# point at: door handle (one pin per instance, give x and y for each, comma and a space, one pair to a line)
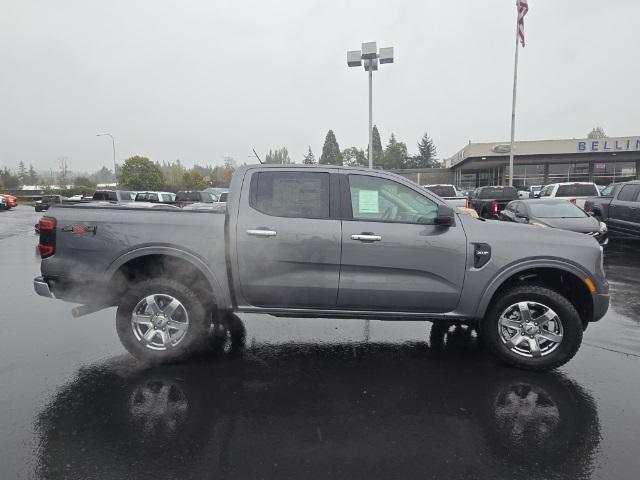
366, 237
262, 233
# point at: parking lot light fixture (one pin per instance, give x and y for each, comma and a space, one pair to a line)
369, 56
113, 144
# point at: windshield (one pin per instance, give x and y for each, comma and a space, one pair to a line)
443, 190
577, 190
509, 193
556, 210
608, 190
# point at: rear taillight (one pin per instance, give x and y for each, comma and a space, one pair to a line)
469, 203
494, 207
47, 245
47, 224
572, 200
587, 206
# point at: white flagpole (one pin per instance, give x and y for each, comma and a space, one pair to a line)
513, 102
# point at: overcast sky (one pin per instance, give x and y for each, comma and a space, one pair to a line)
200, 80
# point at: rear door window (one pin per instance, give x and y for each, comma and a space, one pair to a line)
629, 193
291, 194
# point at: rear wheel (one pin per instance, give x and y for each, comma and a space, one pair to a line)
162, 320
533, 327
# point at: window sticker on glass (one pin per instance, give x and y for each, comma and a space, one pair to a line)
368, 201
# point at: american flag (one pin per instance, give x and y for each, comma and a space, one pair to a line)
523, 8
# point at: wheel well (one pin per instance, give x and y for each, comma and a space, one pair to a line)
157, 265
563, 282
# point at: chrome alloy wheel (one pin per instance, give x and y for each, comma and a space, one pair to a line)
159, 321
530, 329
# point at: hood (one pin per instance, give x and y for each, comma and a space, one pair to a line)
580, 225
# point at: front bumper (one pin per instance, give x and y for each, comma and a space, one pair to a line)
41, 287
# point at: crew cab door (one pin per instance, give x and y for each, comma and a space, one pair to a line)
394, 257
623, 210
288, 239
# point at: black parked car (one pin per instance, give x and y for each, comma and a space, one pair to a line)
488, 201
47, 201
559, 213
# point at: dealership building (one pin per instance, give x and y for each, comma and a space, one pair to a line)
540, 162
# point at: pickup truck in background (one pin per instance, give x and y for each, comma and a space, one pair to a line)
490, 201
599, 206
327, 242
621, 211
574, 192
448, 193
114, 196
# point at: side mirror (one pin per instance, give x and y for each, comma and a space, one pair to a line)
536, 195
522, 217
445, 216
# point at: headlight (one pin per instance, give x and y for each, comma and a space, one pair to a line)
603, 227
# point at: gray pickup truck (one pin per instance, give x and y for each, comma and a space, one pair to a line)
323, 241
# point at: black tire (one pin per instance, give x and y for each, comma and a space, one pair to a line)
568, 318
195, 336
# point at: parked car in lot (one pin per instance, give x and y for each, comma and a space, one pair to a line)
448, 193
530, 192
155, 197
48, 200
323, 242
9, 201
622, 211
599, 206
555, 214
489, 201
114, 196
188, 197
3, 203
575, 192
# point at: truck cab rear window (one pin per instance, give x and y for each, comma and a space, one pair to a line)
291, 194
577, 190
498, 193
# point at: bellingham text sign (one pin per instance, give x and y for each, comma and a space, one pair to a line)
609, 145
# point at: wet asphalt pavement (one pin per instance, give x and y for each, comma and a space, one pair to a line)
308, 398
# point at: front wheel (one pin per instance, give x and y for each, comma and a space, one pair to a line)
533, 327
162, 320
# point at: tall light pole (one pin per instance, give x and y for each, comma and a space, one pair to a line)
370, 55
113, 144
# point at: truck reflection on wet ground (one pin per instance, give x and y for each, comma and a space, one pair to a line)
303, 410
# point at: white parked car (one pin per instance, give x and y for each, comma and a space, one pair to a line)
449, 193
155, 197
575, 192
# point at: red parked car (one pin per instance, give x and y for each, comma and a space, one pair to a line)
9, 201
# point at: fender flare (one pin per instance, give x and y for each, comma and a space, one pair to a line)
222, 300
511, 270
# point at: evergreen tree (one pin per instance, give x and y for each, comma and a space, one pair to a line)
331, 150
310, 158
22, 172
377, 146
280, 155
426, 154
597, 132
32, 176
395, 155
